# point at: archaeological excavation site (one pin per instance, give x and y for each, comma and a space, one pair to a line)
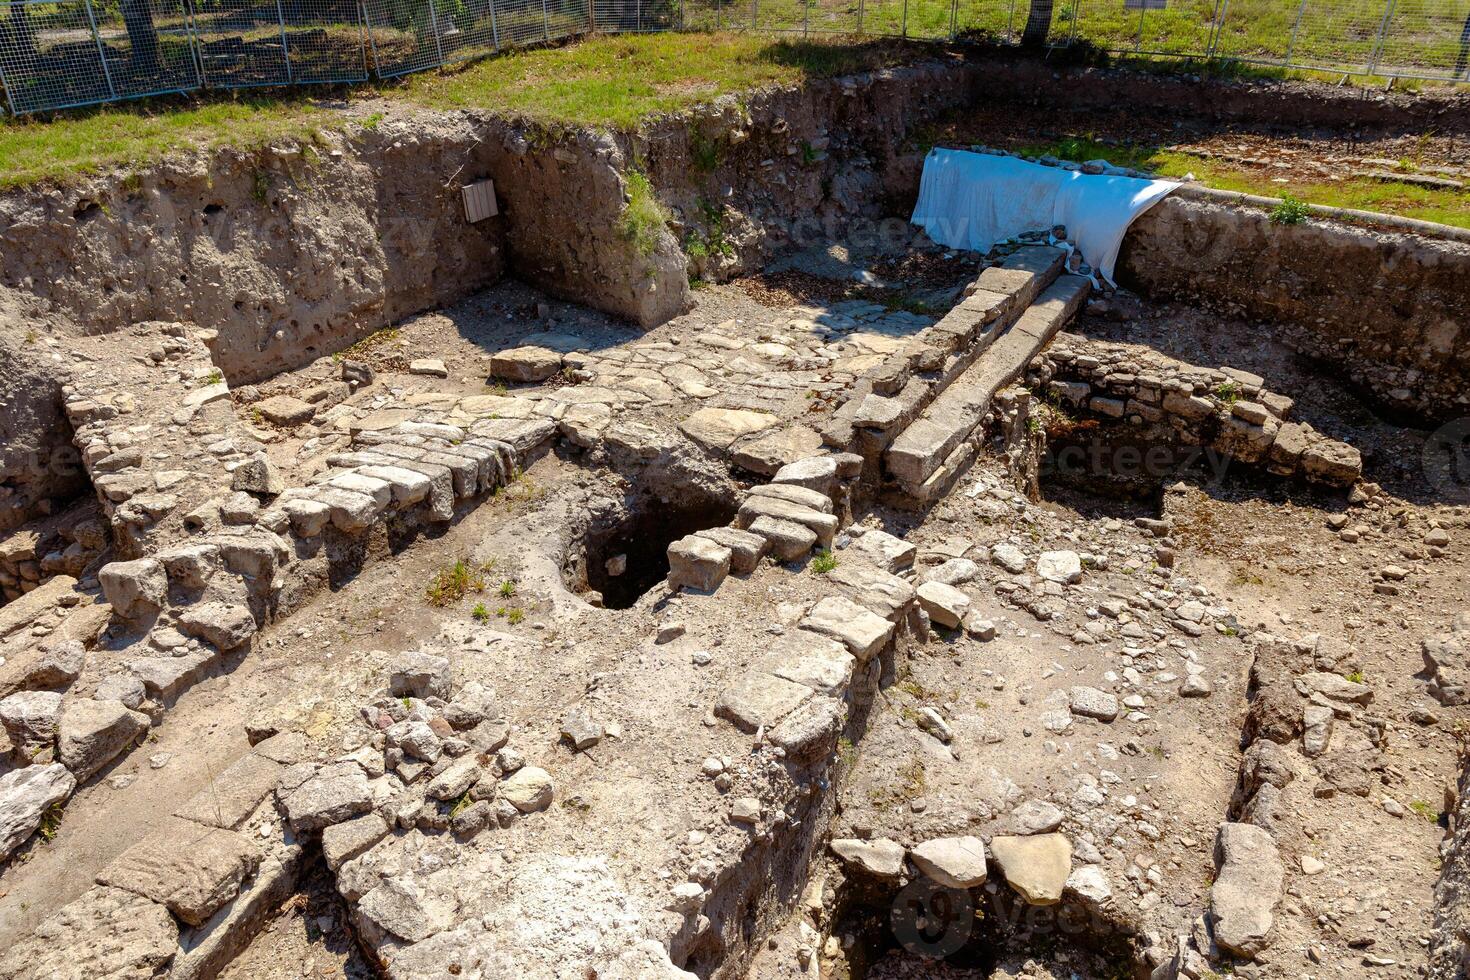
861, 521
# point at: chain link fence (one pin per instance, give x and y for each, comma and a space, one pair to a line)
57, 54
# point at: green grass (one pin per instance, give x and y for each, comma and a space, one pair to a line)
1446, 206
610, 82
823, 562
644, 217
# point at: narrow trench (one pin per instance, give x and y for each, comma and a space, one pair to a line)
626, 555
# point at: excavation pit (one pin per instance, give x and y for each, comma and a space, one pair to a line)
621, 563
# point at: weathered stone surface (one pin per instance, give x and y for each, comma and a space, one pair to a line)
864, 633
431, 367
809, 731
718, 428
134, 588
107, 933
768, 454
167, 677
888, 552
25, 796
191, 869
455, 780
746, 548
697, 562
881, 858
330, 794
817, 473
91, 733
1036, 867
756, 506
30, 717
421, 675
788, 540
760, 700
1060, 566
227, 626
1089, 702
233, 794
1247, 888
525, 364
945, 604
342, 842
529, 789
954, 862
284, 410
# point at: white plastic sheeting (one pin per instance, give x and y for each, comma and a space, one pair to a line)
974, 200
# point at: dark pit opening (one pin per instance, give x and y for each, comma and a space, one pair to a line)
642, 538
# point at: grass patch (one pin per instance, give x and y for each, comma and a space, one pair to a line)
610, 82
1290, 211
644, 217
451, 584
823, 562
366, 345
1443, 205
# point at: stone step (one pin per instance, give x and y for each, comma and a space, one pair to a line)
927, 448
910, 379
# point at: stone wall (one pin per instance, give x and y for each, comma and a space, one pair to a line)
1386, 308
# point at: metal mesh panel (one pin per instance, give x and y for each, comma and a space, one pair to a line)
402, 36
241, 43
50, 57
325, 41
148, 46
1427, 37
833, 16
998, 20
1331, 34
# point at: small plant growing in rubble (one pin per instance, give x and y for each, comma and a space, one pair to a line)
643, 215
454, 583
481, 612
507, 589
1425, 810
515, 616
1291, 211
823, 562
1228, 392
1357, 677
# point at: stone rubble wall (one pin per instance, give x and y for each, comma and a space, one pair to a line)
1449, 943
1227, 409
63, 545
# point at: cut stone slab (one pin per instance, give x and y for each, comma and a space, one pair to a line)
421, 675
890, 553
205, 951
1247, 888
227, 626
881, 858
284, 410
810, 730
1036, 867
234, 794
167, 677
769, 453
92, 733
191, 869
863, 632
882, 593
788, 540
697, 562
30, 717
134, 588
718, 428
760, 700
746, 548
525, 364
330, 794
824, 526
25, 796
106, 933
342, 842
1089, 702
954, 862
813, 661
817, 473
431, 367
945, 604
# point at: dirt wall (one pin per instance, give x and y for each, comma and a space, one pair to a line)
1389, 309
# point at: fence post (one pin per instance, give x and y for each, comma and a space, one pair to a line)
954, 18
285, 46
904, 29
860, 16
755, 14
434, 26
806, 18
1382, 35
5, 88
367, 21
1011, 23
1217, 24
195, 55
1296, 26
1142, 11
101, 51
545, 20
495, 28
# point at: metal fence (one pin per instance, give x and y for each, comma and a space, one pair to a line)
58, 54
